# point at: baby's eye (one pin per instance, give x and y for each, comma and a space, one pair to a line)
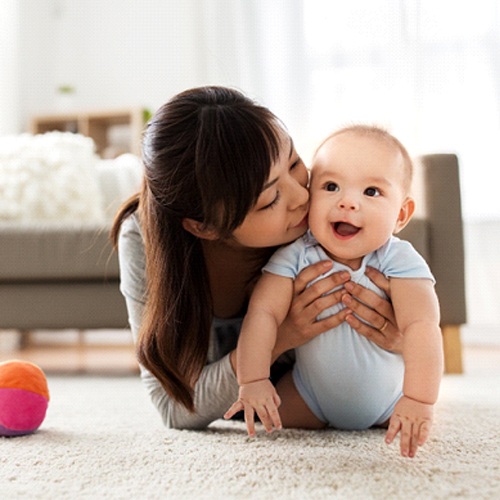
372, 191
331, 186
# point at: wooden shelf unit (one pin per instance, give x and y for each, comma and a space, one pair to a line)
95, 124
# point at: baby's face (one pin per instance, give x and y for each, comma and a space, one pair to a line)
358, 196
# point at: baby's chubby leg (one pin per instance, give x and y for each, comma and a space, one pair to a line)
293, 410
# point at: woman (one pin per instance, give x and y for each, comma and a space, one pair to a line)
223, 188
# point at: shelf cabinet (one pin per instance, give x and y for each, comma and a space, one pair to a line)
113, 131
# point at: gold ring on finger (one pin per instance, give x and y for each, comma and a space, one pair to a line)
384, 326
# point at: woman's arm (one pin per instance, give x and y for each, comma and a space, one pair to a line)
217, 386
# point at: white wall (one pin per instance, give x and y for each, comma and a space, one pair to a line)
114, 52
119, 53
9, 64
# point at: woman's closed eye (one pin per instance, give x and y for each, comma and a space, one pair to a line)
296, 163
273, 203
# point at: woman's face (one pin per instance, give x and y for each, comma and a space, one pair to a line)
280, 214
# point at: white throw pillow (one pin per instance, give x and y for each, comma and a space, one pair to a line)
119, 179
49, 177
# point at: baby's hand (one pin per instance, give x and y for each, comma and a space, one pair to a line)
261, 397
413, 420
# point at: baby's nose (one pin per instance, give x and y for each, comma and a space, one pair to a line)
348, 204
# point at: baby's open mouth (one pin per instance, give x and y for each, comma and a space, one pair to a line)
345, 229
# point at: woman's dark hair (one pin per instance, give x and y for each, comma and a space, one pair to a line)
207, 154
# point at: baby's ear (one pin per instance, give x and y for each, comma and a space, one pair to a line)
405, 214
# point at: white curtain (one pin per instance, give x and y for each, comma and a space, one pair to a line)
258, 46
429, 70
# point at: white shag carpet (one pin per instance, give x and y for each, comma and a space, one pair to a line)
103, 439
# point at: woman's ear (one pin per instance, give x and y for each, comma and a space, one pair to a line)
199, 230
405, 214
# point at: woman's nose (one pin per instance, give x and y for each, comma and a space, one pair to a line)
300, 196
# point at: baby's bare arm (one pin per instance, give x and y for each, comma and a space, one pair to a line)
268, 308
417, 313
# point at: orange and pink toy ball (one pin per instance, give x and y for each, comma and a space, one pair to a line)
24, 397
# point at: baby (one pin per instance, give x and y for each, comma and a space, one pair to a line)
360, 182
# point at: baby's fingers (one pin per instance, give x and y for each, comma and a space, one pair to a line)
392, 431
414, 440
275, 418
250, 420
269, 417
235, 408
405, 439
425, 430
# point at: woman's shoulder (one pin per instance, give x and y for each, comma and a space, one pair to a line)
131, 225
130, 238
132, 257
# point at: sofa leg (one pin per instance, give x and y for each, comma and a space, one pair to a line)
25, 339
452, 347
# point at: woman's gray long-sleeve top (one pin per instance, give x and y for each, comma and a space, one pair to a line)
217, 387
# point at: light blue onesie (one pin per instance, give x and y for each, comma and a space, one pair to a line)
345, 379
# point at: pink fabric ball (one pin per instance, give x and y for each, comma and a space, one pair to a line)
24, 397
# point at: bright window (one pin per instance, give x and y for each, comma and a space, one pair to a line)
429, 70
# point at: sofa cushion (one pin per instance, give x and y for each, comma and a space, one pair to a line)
53, 252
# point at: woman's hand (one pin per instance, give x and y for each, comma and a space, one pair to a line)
375, 310
300, 325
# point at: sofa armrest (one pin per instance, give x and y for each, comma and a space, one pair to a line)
446, 242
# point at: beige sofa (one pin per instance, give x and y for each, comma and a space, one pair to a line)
67, 276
